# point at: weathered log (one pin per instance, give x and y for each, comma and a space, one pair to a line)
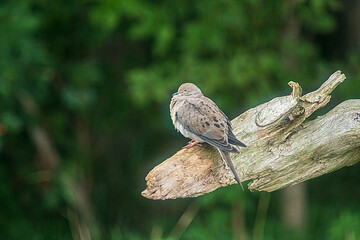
282, 149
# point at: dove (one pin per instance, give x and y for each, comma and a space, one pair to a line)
199, 118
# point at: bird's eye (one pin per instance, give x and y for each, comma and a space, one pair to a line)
185, 90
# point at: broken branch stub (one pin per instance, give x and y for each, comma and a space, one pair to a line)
282, 150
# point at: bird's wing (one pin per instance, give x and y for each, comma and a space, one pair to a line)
203, 118
231, 137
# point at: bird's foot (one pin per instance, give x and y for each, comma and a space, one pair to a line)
192, 143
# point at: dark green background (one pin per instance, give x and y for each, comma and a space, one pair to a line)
84, 94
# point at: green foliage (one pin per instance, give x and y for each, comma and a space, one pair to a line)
346, 226
84, 94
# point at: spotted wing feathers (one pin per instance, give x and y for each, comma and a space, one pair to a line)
203, 118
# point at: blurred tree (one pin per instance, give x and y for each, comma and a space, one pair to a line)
293, 198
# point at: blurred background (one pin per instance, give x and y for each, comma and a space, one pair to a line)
85, 88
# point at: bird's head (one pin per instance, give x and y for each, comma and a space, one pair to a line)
188, 89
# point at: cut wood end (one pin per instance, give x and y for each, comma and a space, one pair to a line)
325, 89
334, 80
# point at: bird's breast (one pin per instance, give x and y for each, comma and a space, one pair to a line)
177, 105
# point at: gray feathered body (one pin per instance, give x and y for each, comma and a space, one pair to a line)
198, 117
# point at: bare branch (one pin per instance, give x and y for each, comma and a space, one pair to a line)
282, 149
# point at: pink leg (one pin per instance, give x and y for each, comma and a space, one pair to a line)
192, 143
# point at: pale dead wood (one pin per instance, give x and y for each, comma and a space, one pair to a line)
282, 149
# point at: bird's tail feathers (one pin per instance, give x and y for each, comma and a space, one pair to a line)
227, 159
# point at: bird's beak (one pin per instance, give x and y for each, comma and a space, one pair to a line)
174, 94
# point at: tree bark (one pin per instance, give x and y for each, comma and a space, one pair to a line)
282, 149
